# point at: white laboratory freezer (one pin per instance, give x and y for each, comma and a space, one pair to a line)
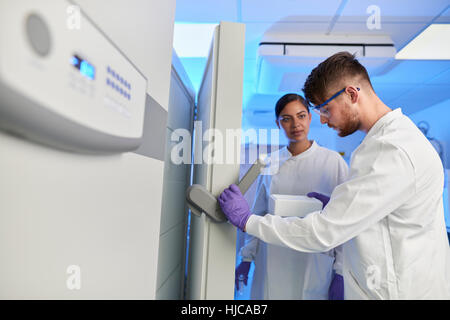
79, 212
212, 247
71, 89
75, 226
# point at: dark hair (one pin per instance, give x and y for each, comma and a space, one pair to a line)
284, 100
332, 70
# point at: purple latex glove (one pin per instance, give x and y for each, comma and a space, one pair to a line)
336, 290
323, 198
243, 268
234, 206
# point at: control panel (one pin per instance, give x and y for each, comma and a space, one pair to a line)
67, 84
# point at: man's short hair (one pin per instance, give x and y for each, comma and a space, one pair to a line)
333, 70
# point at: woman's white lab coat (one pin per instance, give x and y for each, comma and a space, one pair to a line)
389, 215
280, 272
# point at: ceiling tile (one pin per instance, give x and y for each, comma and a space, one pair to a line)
412, 72
400, 33
442, 78
206, 11
394, 11
296, 10
389, 92
288, 31
421, 97
444, 17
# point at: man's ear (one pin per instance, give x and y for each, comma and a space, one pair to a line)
354, 93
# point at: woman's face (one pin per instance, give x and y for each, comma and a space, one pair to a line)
294, 119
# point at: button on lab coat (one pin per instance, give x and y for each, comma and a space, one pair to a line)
389, 215
280, 272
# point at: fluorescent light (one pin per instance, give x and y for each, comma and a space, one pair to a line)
192, 40
431, 44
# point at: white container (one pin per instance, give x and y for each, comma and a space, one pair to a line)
293, 206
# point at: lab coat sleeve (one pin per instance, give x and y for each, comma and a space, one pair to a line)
381, 179
342, 176
250, 249
338, 259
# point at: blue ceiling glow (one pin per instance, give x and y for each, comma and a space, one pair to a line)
414, 85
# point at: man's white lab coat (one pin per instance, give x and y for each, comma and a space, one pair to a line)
389, 214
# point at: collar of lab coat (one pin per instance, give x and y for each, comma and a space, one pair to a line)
388, 117
279, 157
287, 155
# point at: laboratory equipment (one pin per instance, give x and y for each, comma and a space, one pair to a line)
67, 85
200, 200
293, 205
212, 248
63, 181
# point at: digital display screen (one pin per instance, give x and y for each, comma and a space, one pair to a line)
85, 68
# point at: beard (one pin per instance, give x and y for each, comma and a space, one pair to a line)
351, 123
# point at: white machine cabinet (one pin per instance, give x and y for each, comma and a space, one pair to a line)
79, 216
212, 248
64, 83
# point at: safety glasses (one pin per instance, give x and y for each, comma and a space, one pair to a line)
321, 109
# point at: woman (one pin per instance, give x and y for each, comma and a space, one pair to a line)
303, 167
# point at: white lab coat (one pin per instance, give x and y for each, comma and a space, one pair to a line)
389, 215
280, 272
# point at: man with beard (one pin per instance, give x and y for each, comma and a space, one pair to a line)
388, 215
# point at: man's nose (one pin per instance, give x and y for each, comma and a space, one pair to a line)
323, 120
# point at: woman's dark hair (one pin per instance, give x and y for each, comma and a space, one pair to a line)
284, 100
